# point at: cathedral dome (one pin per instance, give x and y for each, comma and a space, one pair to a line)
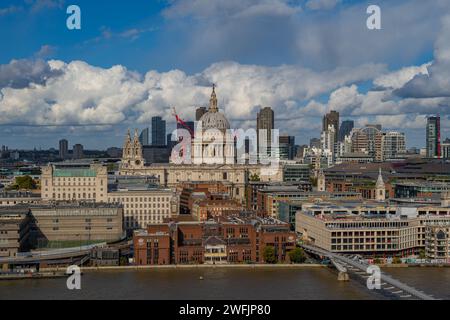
213, 119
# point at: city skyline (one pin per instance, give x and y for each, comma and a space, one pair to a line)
364, 77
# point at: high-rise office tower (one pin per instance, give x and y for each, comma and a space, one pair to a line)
434, 137
345, 129
63, 149
158, 131
394, 143
200, 112
266, 121
331, 119
143, 138
78, 152
287, 147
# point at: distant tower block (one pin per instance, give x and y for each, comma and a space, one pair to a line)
380, 188
321, 183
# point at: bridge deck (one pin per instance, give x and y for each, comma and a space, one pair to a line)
404, 288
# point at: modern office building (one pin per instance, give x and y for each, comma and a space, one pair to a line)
345, 129
368, 140
286, 147
434, 137
158, 131
144, 137
156, 154
332, 119
265, 120
63, 149
296, 172
376, 230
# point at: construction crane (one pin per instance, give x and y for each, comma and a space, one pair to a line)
181, 122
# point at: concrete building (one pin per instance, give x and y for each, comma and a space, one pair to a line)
14, 231
12, 198
375, 230
269, 197
394, 145
143, 205
265, 120
72, 222
296, 172
63, 149
78, 152
368, 140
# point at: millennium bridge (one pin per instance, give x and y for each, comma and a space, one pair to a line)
347, 265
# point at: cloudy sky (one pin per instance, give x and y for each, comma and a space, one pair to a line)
136, 59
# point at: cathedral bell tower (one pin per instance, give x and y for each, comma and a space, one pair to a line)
132, 156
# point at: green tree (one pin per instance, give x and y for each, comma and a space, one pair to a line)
269, 255
422, 254
255, 178
396, 260
24, 183
297, 255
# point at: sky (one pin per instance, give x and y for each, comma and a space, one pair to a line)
136, 59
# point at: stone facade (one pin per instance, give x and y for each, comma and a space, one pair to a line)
74, 182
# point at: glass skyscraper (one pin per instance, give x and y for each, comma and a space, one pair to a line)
158, 131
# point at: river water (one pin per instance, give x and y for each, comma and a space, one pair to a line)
221, 283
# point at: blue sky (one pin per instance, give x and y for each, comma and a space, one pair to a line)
302, 58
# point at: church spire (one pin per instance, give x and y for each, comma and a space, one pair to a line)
380, 182
213, 101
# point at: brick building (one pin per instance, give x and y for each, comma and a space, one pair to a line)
234, 238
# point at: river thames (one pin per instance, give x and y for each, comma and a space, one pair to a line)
222, 284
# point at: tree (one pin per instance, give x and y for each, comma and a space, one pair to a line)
297, 255
255, 178
396, 260
422, 254
24, 183
269, 255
